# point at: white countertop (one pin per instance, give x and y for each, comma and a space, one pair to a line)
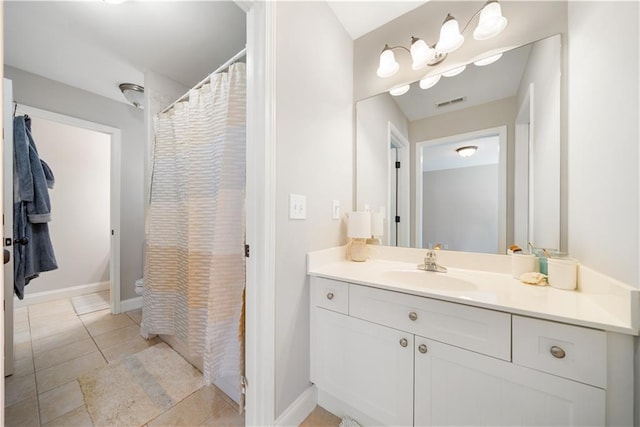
599, 307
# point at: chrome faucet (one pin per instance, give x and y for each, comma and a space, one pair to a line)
431, 263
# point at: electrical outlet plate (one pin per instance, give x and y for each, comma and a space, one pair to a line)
297, 206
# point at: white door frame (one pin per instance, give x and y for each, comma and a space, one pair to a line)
114, 261
260, 213
501, 131
397, 140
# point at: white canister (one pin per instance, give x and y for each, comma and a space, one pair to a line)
523, 263
563, 273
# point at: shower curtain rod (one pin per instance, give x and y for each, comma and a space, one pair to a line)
223, 67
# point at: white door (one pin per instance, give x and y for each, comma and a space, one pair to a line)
7, 234
459, 387
367, 366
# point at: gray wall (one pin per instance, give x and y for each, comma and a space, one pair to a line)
314, 149
39, 92
460, 208
489, 115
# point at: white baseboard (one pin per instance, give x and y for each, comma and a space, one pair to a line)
341, 410
300, 409
130, 304
72, 291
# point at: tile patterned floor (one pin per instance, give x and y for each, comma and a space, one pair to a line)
320, 417
53, 346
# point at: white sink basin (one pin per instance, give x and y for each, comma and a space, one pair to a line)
428, 279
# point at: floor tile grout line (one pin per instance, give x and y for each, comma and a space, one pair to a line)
33, 360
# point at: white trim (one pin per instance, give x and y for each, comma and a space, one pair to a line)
130, 304
401, 143
115, 143
502, 180
260, 214
300, 409
56, 294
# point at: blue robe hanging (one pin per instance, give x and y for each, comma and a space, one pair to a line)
32, 177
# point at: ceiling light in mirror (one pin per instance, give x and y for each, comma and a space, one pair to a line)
491, 22
454, 71
428, 82
421, 53
388, 65
450, 37
467, 151
488, 60
400, 90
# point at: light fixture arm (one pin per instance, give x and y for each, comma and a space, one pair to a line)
474, 16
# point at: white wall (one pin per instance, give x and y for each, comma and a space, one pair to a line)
39, 92
543, 71
80, 204
461, 208
603, 177
372, 147
489, 115
604, 188
314, 149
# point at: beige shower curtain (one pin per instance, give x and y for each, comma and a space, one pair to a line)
194, 272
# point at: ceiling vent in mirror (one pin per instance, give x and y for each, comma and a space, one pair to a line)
451, 102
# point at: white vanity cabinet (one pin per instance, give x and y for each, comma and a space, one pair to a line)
392, 358
460, 387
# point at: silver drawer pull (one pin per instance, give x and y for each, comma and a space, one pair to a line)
404, 342
422, 348
330, 295
557, 352
413, 316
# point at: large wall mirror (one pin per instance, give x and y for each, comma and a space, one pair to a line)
409, 163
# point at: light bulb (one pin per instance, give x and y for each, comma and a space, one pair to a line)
400, 90
450, 37
467, 151
488, 60
491, 22
454, 71
388, 65
428, 82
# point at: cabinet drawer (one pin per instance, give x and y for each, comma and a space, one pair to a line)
330, 294
568, 351
480, 330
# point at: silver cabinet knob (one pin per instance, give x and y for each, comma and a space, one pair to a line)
413, 316
422, 348
404, 342
330, 295
557, 352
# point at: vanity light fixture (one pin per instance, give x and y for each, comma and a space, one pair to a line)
400, 90
467, 151
134, 94
488, 60
454, 71
490, 24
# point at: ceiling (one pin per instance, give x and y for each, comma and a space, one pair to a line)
95, 46
360, 17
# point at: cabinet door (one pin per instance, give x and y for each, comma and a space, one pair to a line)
460, 387
367, 366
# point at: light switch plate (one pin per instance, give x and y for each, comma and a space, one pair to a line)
335, 209
297, 206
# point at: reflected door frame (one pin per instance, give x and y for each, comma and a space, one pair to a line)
398, 200
501, 131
